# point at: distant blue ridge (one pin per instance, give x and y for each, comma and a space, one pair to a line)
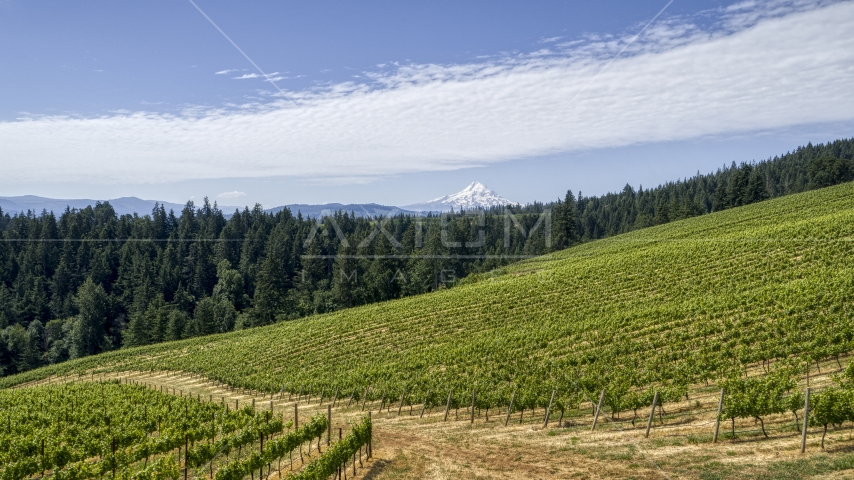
131, 205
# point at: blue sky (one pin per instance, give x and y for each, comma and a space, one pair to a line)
399, 102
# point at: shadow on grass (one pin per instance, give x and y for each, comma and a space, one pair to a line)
377, 467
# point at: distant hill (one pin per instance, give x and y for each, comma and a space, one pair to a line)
659, 308
122, 206
359, 209
131, 205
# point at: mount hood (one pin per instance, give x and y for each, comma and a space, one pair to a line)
476, 195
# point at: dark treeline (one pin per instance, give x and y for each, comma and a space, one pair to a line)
89, 281
807, 168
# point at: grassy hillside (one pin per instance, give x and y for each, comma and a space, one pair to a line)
661, 307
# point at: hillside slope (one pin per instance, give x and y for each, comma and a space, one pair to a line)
664, 306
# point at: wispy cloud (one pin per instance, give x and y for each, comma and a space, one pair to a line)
231, 195
224, 72
749, 67
268, 77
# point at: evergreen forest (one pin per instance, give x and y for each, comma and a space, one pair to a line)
87, 281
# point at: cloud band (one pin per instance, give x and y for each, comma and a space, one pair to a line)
752, 71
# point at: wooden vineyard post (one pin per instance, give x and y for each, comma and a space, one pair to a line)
718, 418
296, 416
424, 405
365, 398
510, 408
808, 373
328, 424
473, 394
271, 406
370, 440
186, 454
549, 410
652, 415
598, 409
399, 407
335, 397
236, 404
253, 403
448, 405
806, 421
340, 435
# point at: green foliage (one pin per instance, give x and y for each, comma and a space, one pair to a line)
826, 171
654, 310
164, 468
258, 268
237, 470
831, 406
133, 281
338, 454
63, 427
87, 334
758, 397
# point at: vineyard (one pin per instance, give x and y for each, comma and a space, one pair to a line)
133, 431
708, 301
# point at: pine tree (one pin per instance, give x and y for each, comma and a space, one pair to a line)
138, 330
87, 335
756, 191
20, 348
271, 290
828, 170
566, 219
737, 186
204, 319
345, 277
7, 315
225, 316
176, 324
229, 286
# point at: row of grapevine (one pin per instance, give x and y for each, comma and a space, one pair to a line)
656, 310
673, 308
339, 453
87, 430
275, 449
834, 405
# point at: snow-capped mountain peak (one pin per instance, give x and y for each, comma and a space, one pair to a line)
476, 195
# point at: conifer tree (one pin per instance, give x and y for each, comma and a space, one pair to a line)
827, 170
88, 333
756, 191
